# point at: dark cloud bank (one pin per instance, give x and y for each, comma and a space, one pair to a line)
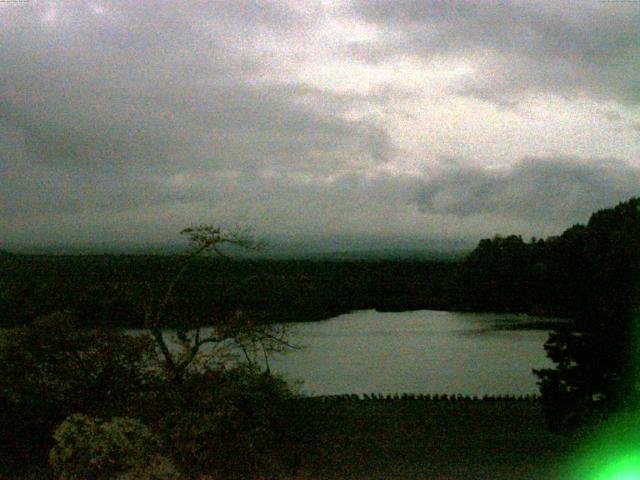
124, 125
554, 191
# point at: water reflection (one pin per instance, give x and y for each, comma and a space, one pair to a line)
421, 351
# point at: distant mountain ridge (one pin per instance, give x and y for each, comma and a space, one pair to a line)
392, 254
454, 250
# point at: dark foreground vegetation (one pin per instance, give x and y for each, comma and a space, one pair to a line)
80, 402
409, 439
96, 404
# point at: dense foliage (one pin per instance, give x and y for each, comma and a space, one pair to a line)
590, 273
585, 269
105, 289
58, 380
231, 423
597, 360
52, 368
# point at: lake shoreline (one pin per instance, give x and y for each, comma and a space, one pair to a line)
423, 351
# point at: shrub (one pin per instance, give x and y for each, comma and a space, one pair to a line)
88, 446
53, 368
73, 369
229, 423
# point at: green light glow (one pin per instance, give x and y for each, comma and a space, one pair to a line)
625, 468
611, 454
608, 466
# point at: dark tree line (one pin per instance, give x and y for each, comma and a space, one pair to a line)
597, 361
590, 273
102, 289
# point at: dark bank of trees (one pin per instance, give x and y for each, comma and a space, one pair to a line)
102, 289
566, 275
591, 274
597, 361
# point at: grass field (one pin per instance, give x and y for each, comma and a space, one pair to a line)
431, 440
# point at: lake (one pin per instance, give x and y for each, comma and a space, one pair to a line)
421, 351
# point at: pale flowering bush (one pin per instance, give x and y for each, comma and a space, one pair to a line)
87, 446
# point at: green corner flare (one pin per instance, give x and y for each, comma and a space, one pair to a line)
613, 451
611, 454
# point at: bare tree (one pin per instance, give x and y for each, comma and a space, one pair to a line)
240, 331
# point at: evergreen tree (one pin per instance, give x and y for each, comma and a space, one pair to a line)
597, 358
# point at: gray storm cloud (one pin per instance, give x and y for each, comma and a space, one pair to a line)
552, 190
570, 48
99, 115
126, 121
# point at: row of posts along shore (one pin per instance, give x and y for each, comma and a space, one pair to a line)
444, 397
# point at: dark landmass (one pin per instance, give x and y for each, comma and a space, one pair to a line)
102, 289
277, 249
562, 276
588, 274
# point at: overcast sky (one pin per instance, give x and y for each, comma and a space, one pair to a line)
127, 121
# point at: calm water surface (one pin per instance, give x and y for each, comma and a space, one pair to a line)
416, 352
421, 351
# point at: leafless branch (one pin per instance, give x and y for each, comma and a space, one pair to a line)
252, 338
